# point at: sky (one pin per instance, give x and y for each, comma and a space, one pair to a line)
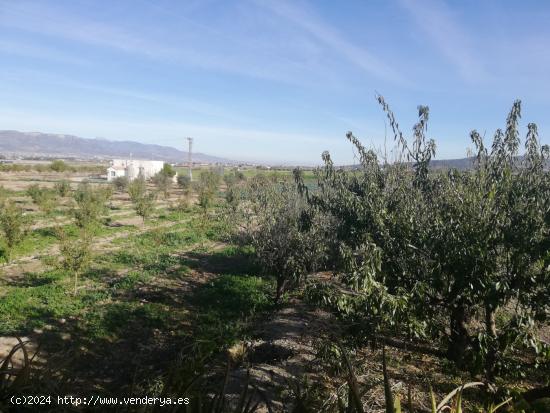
273, 81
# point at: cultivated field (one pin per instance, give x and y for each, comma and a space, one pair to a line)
180, 297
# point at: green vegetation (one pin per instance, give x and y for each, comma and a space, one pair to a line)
120, 183
62, 188
55, 166
207, 187
145, 204
59, 166
14, 227
44, 198
136, 189
90, 204
76, 254
164, 179
455, 258
348, 286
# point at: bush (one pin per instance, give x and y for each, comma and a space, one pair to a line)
423, 251
14, 226
136, 189
163, 183
207, 187
145, 205
76, 254
184, 182
288, 241
90, 204
168, 170
44, 198
59, 166
120, 183
63, 188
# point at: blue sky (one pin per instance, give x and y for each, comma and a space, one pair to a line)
272, 80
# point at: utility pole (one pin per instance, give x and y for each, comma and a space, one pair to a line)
189, 158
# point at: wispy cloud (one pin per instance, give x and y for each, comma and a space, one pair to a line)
324, 33
25, 49
437, 21
190, 44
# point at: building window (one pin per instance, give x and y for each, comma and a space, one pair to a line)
113, 173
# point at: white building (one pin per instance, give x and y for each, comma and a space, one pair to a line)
133, 168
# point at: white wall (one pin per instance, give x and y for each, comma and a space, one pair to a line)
132, 168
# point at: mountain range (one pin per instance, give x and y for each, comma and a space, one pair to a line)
37, 144
48, 145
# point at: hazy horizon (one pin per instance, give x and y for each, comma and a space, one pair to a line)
271, 81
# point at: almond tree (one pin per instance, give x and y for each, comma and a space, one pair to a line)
419, 247
76, 254
14, 226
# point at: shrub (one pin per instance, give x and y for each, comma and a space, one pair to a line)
184, 182
76, 254
136, 189
163, 183
145, 205
120, 183
168, 170
63, 188
288, 241
421, 249
44, 198
59, 166
14, 226
206, 188
34, 192
90, 204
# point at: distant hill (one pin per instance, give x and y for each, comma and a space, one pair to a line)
37, 144
460, 164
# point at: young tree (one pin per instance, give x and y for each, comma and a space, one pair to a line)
145, 205
288, 242
184, 182
206, 188
34, 192
62, 188
14, 226
90, 204
164, 179
163, 183
44, 198
76, 254
136, 189
168, 170
120, 183
59, 166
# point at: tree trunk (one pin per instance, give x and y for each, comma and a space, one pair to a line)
459, 338
75, 282
281, 286
491, 330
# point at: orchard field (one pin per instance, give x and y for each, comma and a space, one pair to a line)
381, 288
